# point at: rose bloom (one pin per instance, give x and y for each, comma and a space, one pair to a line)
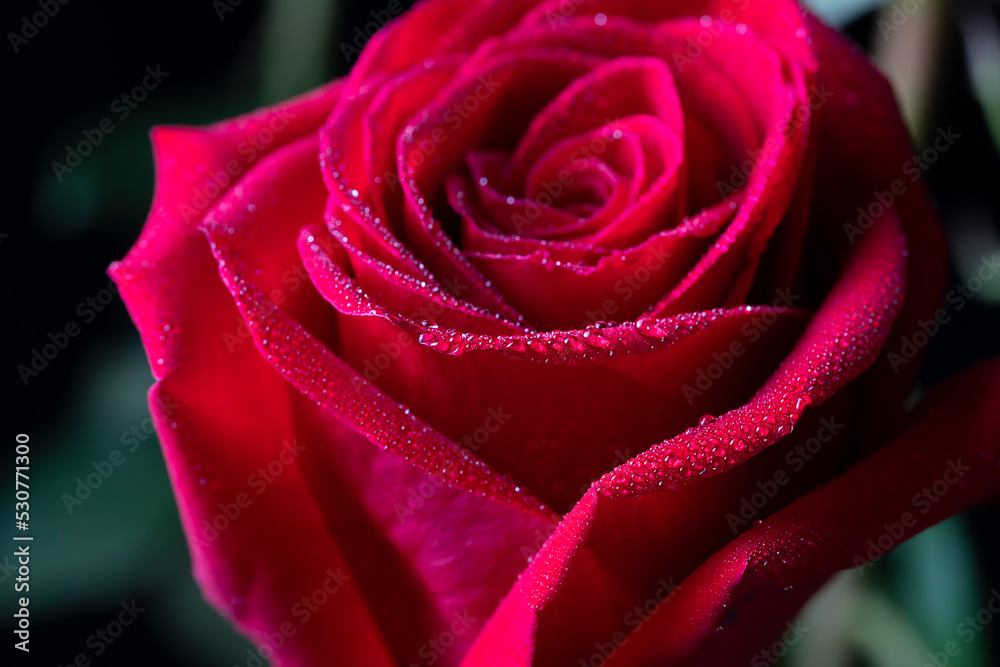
556, 333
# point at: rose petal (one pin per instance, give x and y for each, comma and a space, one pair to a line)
868, 292
863, 114
620, 286
359, 172
558, 419
168, 281
254, 226
944, 463
497, 91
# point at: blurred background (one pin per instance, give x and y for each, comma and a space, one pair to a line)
217, 58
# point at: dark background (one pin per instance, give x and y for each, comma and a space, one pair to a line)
124, 541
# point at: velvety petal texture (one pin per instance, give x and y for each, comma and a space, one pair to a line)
469, 358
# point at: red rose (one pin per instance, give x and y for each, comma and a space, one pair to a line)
548, 357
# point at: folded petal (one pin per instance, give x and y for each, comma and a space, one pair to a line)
205, 391
622, 514
946, 461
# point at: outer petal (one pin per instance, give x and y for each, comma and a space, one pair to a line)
204, 392
945, 462
194, 168
849, 173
